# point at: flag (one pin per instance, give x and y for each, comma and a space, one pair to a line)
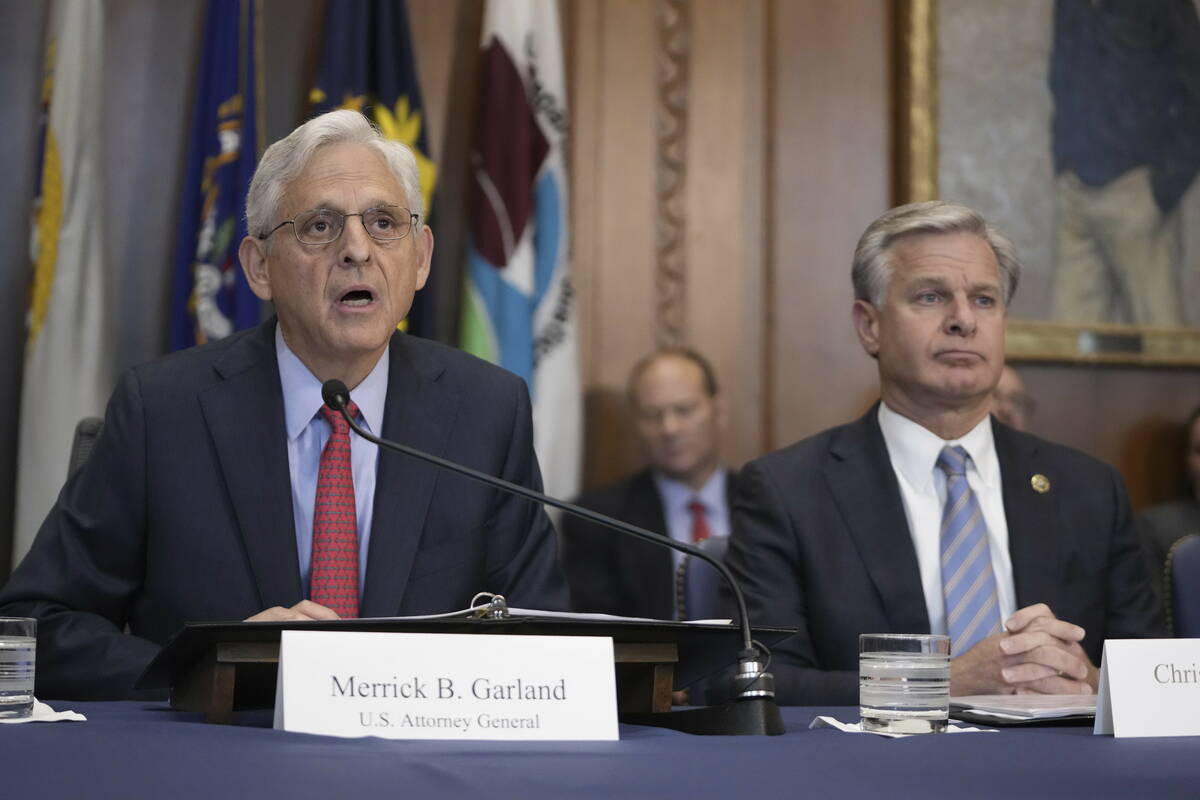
67, 358
367, 65
519, 310
210, 297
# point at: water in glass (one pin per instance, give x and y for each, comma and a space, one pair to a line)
904, 692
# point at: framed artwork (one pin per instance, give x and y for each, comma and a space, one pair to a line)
1074, 126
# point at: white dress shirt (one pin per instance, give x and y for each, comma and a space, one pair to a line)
913, 451
307, 433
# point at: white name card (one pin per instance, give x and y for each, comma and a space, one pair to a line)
446, 686
1149, 687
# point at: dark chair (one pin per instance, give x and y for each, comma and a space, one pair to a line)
81, 446
1183, 605
698, 585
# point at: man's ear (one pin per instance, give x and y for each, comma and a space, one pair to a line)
866, 325
252, 255
424, 254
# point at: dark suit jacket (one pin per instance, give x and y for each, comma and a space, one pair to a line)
184, 510
821, 543
611, 573
1160, 527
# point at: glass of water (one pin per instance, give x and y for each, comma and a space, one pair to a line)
18, 645
904, 682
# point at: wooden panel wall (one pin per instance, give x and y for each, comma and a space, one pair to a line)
831, 178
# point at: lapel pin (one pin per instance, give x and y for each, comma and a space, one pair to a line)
1040, 483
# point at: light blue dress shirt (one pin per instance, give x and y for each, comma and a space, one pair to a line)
677, 496
307, 432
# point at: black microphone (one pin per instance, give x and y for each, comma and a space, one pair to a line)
752, 680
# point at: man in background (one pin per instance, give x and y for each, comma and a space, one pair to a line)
679, 415
925, 517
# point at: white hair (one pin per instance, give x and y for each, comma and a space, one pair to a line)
872, 258
288, 157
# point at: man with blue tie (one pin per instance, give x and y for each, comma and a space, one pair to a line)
927, 515
223, 488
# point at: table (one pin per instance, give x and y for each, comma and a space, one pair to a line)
131, 750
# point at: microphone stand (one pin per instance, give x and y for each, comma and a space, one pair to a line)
752, 710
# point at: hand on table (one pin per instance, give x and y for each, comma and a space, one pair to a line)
305, 609
1036, 653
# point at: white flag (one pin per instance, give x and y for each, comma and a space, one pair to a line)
67, 373
520, 309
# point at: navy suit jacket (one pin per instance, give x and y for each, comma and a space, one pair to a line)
612, 573
821, 543
183, 511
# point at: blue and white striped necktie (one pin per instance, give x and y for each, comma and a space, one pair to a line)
972, 605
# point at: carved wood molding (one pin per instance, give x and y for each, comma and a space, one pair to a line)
671, 106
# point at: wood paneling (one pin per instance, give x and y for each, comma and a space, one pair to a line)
830, 179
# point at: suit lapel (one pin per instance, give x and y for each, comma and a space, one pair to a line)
860, 477
244, 414
420, 412
1032, 518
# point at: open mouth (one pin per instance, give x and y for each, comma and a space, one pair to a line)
357, 298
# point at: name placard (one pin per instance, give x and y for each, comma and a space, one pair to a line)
1149, 687
446, 686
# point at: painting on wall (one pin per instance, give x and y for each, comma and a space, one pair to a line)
1074, 126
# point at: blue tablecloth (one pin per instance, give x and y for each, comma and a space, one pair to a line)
134, 750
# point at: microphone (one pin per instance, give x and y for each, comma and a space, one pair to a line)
752, 680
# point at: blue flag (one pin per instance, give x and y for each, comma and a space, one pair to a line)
210, 298
367, 65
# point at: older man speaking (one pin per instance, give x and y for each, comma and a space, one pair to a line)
926, 515
223, 488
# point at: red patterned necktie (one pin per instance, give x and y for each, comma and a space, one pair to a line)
334, 577
700, 530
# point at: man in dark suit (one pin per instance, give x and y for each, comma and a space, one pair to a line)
928, 516
679, 415
221, 488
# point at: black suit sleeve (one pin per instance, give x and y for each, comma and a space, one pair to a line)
765, 557
522, 562
586, 550
86, 564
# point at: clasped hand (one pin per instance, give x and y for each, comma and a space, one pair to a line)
305, 609
1035, 653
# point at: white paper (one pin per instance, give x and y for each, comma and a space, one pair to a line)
856, 727
446, 686
44, 713
1149, 687
1027, 706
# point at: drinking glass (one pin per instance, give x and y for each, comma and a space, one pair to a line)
904, 682
18, 647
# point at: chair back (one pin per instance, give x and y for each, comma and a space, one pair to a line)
81, 445
698, 584
1183, 605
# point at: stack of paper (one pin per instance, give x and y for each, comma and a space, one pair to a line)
1023, 707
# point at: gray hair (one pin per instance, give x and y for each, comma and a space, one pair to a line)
288, 157
872, 258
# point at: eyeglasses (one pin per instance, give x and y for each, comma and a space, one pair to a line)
385, 223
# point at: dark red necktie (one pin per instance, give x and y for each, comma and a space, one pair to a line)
333, 580
700, 530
